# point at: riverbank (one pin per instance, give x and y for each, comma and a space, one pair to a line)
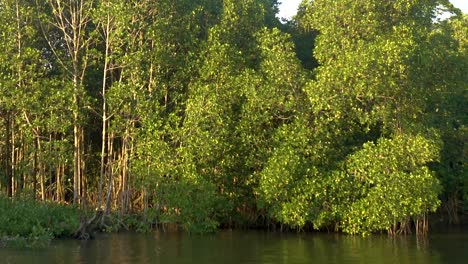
29, 223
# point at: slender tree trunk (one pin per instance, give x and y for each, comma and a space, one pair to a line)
422, 226
8, 148
104, 110
41, 170
58, 190
125, 173
22, 159
19, 85
50, 171
13, 159
42, 182
76, 148
36, 166
83, 179
71, 18
110, 173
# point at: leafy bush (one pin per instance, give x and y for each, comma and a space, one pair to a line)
36, 221
395, 181
192, 205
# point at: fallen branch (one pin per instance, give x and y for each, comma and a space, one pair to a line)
88, 227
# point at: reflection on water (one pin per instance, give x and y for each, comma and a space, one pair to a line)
247, 247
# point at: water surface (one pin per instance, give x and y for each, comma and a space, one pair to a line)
246, 247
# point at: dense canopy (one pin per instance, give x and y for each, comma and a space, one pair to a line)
213, 113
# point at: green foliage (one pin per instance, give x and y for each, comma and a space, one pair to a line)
394, 181
193, 205
372, 85
37, 222
448, 50
217, 115
289, 180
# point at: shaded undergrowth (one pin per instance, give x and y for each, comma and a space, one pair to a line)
28, 223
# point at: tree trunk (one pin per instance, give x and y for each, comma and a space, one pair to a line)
41, 170
36, 167
13, 159
58, 191
76, 154
124, 174
107, 31
8, 148
110, 174
72, 18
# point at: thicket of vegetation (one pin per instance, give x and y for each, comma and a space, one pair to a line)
212, 113
26, 223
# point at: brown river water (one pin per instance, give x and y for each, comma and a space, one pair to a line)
247, 247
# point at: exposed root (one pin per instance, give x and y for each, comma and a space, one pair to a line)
88, 227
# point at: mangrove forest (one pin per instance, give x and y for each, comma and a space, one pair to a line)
206, 114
